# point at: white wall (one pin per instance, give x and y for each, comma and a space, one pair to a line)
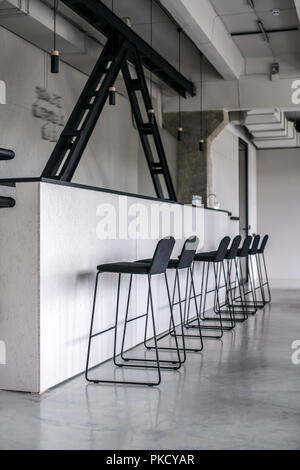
224, 169
111, 158
278, 213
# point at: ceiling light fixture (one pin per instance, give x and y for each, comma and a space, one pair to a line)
263, 31
276, 12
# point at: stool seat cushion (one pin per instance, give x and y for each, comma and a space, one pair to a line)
125, 268
208, 256
173, 263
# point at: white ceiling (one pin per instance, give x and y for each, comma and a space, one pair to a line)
238, 16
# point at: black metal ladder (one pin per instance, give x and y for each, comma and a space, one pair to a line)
74, 138
158, 167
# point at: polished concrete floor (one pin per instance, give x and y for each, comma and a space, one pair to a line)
241, 393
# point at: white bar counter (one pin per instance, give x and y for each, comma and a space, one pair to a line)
50, 246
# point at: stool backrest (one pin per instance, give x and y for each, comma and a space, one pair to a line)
246, 247
255, 244
222, 250
188, 252
233, 251
263, 244
162, 255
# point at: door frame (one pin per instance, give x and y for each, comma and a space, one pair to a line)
244, 144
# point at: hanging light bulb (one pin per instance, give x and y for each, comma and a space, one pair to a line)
112, 96
151, 115
202, 140
201, 145
55, 52
180, 128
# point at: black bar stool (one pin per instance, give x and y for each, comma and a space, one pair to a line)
247, 288
252, 259
158, 266
184, 262
216, 259
264, 278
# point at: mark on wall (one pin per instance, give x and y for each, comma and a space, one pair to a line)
2, 353
2, 92
49, 107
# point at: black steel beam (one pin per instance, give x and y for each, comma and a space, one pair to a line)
105, 21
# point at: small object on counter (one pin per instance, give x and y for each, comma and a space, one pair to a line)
216, 205
197, 201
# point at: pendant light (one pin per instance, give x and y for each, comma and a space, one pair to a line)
112, 89
151, 111
55, 52
201, 140
180, 128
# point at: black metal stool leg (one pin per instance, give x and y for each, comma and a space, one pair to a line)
183, 334
175, 364
267, 279
91, 327
172, 326
203, 307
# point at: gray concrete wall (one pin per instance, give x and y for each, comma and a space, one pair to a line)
191, 163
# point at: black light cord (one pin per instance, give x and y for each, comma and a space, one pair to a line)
151, 42
55, 52
179, 57
55, 8
201, 140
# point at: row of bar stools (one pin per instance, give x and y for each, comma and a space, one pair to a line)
231, 274
232, 268
236, 307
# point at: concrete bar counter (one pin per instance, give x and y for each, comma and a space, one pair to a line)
50, 245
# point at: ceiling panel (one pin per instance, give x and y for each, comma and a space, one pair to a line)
234, 7
252, 46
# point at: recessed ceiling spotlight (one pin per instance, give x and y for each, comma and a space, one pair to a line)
276, 12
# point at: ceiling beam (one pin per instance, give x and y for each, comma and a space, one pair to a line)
205, 28
297, 5
105, 21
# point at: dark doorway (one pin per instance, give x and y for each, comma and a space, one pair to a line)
243, 188
243, 197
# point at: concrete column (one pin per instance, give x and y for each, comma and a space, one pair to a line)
193, 165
